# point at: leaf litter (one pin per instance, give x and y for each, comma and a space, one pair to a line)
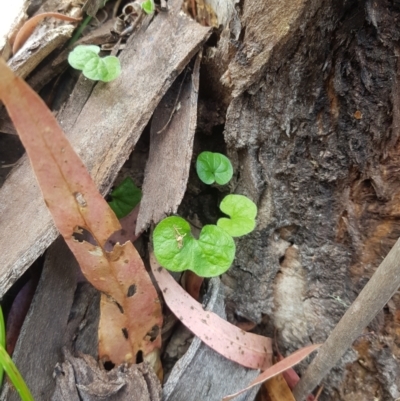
85, 206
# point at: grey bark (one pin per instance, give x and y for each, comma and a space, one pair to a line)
315, 141
373, 297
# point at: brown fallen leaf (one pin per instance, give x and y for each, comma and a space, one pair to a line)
247, 349
30, 25
131, 317
279, 367
278, 389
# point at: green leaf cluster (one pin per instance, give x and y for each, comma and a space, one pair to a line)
176, 249
87, 59
213, 253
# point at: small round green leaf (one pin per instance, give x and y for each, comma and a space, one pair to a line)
177, 250
214, 167
81, 55
148, 6
242, 211
95, 69
113, 68
125, 197
87, 59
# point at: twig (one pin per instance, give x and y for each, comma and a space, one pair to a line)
319, 392
115, 8
378, 291
135, 23
175, 108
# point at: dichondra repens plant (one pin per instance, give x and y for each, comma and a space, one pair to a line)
86, 57
212, 254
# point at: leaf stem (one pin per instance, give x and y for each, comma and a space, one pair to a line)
79, 31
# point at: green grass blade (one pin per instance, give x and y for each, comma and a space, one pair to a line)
79, 31
2, 341
12, 372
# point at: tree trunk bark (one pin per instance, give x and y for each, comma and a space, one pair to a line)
314, 128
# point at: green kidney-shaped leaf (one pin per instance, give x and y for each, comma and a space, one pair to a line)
113, 68
148, 6
242, 211
177, 250
102, 69
81, 55
214, 167
125, 197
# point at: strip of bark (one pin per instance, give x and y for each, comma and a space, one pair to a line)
172, 133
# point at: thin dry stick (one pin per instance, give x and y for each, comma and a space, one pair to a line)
175, 108
380, 288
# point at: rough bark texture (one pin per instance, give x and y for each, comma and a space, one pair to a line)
316, 139
82, 379
370, 301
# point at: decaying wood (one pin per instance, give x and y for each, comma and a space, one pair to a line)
48, 36
202, 374
373, 297
81, 378
36, 49
104, 133
27, 29
317, 143
171, 142
267, 24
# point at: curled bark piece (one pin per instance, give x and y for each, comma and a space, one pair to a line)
30, 25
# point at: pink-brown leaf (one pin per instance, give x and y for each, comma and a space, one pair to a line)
75, 204
247, 349
279, 367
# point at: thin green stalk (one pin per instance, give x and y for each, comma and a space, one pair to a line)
80, 29
2, 341
12, 372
